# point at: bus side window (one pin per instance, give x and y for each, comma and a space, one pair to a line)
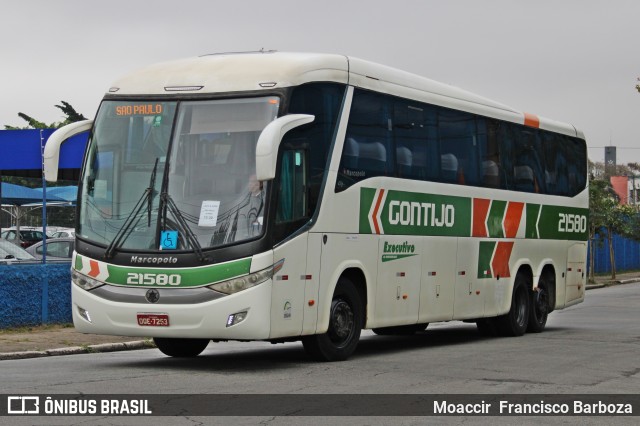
459, 146
367, 150
412, 143
292, 194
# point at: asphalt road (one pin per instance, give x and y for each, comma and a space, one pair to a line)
591, 348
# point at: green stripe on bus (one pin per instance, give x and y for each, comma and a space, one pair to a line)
78, 264
495, 218
366, 200
414, 213
484, 258
563, 223
420, 214
531, 230
189, 277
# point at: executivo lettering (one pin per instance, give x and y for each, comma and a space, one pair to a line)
397, 251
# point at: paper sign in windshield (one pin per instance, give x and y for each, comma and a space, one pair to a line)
209, 213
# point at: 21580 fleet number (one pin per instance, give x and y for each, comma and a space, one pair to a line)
153, 279
572, 223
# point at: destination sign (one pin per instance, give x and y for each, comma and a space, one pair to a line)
142, 109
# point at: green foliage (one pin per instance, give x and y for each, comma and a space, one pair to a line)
70, 113
608, 217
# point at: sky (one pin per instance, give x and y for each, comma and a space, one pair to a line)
574, 61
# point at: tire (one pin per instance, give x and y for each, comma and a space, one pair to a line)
181, 348
515, 322
401, 330
345, 323
539, 310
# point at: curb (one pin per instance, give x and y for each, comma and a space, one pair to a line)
594, 286
74, 350
629, 281
610, 283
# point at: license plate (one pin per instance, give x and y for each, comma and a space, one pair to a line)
153, 320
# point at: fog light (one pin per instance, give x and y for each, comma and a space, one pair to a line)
236, 318
84, 314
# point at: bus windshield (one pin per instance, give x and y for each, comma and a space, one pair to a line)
209, 196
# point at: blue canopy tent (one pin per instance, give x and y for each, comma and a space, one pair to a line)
67, 193
14, 199
17, 195
21, 155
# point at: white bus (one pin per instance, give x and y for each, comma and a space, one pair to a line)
287, 196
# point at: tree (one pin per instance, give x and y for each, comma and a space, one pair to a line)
602, 202
71, 117
597, 170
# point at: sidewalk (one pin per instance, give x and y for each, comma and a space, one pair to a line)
53, 340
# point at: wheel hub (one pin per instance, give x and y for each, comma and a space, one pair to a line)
342, 323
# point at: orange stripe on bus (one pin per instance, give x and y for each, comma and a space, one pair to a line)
531, 120
95, 269
480, 210
500, 263
512, 219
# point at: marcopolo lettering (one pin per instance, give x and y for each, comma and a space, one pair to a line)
413, 213
153, 260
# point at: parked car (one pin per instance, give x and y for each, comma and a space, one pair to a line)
57, 249
64, 233
25, 238
11, 253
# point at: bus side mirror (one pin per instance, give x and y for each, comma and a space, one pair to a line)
269, 141
51, 154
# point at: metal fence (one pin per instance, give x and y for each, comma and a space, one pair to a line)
627, 254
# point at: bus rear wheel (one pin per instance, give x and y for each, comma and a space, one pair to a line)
345, 324
515, 322
180, 348
539, 310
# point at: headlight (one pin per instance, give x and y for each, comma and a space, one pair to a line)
238, 284
83, 281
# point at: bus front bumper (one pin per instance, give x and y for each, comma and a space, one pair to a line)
208, 320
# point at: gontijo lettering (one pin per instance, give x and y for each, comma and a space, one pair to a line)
426, 214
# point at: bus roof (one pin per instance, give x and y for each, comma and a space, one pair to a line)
265, 70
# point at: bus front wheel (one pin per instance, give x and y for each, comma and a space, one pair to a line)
180, 348
345, 324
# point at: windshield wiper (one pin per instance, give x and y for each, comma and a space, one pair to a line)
183, 226
152, 183
133, 217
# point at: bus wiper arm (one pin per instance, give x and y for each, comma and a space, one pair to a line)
152, 183
183, 225
120, 236
133, 217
